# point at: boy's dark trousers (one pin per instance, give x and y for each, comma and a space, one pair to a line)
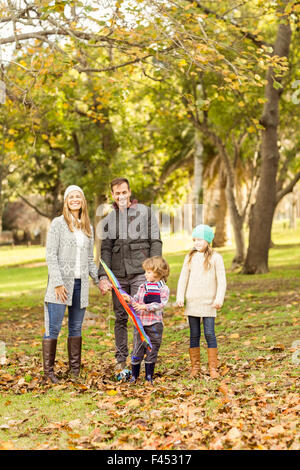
140, 351
130, 284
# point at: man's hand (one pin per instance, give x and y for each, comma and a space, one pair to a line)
104, 286
126, 298
180, 304
61, 293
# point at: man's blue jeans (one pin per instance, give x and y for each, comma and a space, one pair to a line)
76, 315
209, 331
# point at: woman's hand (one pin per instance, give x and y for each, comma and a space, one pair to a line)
180, 304
139, 307
61, 293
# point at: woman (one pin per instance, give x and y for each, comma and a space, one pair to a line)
69, 255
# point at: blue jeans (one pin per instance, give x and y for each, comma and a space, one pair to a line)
209, 331
56, 314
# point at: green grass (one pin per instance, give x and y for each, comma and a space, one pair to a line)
19, 255
256, 329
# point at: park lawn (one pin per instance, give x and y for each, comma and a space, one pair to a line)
20, 255
253, 405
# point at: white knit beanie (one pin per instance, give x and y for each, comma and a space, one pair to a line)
70, 188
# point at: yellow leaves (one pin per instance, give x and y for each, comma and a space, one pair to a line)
296, 8
8, 445
74, 74
278, 347
81, 106
9, 144
234, 434
276, 431
182, 63
234, 336
134, 403
112, 392
53, 141
259, 390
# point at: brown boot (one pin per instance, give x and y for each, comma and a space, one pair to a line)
195, 360
49, 352
213, 362
74, 351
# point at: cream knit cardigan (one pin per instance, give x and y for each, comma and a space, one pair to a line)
201, 287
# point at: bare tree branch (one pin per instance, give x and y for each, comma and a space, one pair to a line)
34, 207
243, 32
289, 188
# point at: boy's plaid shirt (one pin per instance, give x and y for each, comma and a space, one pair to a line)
154, 312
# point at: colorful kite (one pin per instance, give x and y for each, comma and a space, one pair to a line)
129, 309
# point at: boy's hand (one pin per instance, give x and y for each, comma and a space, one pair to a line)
180, 304
139, 307
216, 306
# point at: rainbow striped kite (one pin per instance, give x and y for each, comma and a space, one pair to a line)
129, 309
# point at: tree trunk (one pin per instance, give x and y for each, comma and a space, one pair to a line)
262, 211
237, 222
292, 211
221, 216
197, 197
1, 201
99, 214
237, 218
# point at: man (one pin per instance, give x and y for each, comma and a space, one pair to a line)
130, 234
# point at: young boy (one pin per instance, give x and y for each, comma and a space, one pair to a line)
149, 303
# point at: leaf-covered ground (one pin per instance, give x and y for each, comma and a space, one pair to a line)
253, 405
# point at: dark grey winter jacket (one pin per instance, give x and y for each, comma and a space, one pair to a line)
128, 238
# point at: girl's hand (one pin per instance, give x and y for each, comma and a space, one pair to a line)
61, 293
216, 306
139, 307
180, 304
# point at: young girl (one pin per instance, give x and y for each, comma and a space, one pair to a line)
149, 303
203, 282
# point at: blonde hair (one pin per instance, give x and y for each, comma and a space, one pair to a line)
158, 265
208, 252
72, 222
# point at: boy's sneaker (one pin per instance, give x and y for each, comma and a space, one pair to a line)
119, 367
124, 375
